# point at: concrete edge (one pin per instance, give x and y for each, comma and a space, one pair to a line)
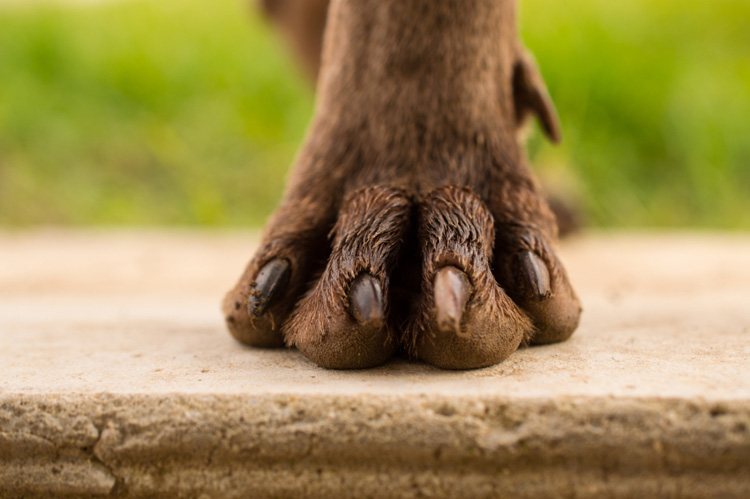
371, 446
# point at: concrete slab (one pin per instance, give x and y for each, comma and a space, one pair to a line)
118, 378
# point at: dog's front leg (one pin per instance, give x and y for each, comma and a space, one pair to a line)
414, 139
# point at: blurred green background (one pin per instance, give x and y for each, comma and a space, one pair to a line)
188, 112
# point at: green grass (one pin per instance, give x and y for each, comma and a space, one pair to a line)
655, 101
189, 112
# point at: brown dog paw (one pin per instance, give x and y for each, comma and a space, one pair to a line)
411, 218
335, 309
490, 282
344, 321
463, 319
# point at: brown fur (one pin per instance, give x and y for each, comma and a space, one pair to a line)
419, 101
303, 21
367, 238
457, 229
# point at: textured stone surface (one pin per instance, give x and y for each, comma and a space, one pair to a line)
117, 377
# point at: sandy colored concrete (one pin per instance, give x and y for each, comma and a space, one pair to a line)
117, 377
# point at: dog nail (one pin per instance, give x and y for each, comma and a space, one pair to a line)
452, 292
536, 275
366, 300
269, 285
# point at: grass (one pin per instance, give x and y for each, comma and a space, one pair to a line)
187, 112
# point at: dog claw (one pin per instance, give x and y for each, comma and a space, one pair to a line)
366, 300
452, 292
269, 285
536, 275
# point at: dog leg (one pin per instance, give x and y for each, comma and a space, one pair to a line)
414, 138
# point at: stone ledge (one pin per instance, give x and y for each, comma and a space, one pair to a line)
117, 378
373, 446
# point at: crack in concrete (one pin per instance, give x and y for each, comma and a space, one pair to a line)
94, 457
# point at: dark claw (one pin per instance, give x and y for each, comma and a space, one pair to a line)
366, 300
269, 285
536, 275
452, 292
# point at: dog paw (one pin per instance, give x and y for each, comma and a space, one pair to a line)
342, 319
487, 287
411, 220
347, 291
